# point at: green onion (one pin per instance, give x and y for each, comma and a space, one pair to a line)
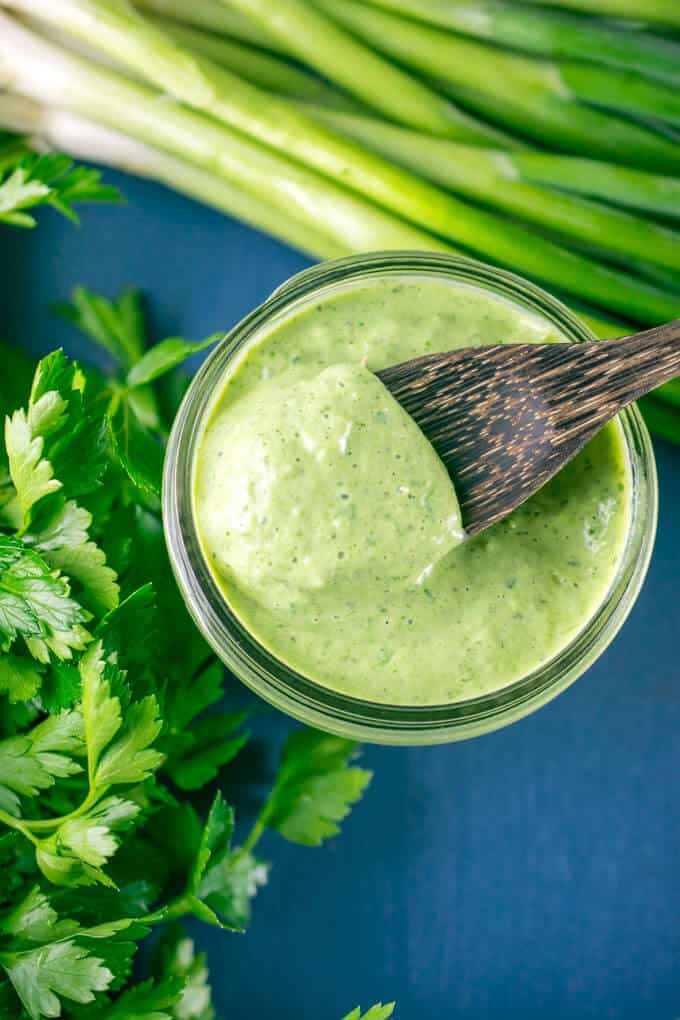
495, 178
335, 53
76, 136
622, 90
354, 66
669, 392
662, 419
666, 12
538, 98
54, 77
633, 189
212, 16
548, 33
255, 65
604, 329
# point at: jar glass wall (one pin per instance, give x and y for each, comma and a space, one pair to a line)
292, 692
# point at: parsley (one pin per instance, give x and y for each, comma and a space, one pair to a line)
28, 180
314, 789
109, 704
35, 604
200, 753
176, 958
41, 977
117, 326
377, 1012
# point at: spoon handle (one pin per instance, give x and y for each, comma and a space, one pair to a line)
594, 381
643, 361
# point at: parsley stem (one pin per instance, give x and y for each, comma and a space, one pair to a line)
254, 835
43, 824
18, 824
175, 909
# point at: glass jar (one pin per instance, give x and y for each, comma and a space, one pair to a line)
290, 691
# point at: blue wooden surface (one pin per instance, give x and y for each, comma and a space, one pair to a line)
531, 874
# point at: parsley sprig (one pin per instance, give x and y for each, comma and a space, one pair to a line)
28, 180
109, 703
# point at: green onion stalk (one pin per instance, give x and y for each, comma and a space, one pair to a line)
547, 101
50, 76
55, 77
274, 74
662, 419
497, 179
665, 12
619, 185
46, 129
257, 66
212, 16
552, 34
116, 30
336, 53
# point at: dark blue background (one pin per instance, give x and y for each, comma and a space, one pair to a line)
531, 874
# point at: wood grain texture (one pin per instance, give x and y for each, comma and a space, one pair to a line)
504, 419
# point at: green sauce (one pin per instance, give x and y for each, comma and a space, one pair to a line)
333, 529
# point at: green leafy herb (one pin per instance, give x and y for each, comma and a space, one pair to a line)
33, 761
117, 326
35, 604
198, 754
176, 958
20, 677
377, 1012
30, 180
62, 970
315, 787
165, 356
138, 452
128, 758
109, 707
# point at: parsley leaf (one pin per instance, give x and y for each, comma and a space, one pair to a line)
196, 756
314, 788
164, 356
47, 958
130, 631
176, 956
146, 1001
35, 604
20, 677
230, 887
32, 180
75, 853
377, 1012
60, 687
64, 543
58, 443
139, 453
117, 326
34, 919
43, 976
33, 761
18, 192
66, 408
129, 758
222, 884
31, 474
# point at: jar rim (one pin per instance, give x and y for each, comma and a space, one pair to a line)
291, 691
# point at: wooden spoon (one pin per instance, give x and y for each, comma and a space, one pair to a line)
505, 419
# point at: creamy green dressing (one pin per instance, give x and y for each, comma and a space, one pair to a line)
333, 529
